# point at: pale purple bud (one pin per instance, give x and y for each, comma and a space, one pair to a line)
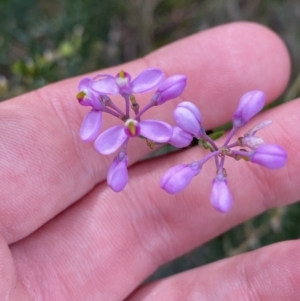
117, 176
220, 197
252, 142
178, 177
270, 156
170, 88
180, 138
188, 117
250, 104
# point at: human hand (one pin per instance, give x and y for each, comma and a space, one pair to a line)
71, 238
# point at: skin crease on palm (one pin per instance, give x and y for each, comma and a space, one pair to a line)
66, 236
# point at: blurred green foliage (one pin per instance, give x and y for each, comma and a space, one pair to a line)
43, 41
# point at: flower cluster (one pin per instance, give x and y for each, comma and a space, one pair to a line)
95, 92
251, 148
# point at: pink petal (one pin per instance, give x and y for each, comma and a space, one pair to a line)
180, 138
117, 176
91, 126
106, 85
84, 84
147, 80
110, 140
155, 130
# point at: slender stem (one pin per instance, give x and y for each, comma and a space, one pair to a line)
232, 132
234, 144
126, 97
242, 153
221, 165
209, 156
144, 109
109, 111
112, 105
209, 140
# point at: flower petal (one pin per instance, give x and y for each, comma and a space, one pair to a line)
110, 140
180, 138
106, 85
156, 130
91, 126
117, 176
147, 80
84, 84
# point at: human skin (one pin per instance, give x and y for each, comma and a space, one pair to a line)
66, 236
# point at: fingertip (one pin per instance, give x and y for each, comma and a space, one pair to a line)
225, 62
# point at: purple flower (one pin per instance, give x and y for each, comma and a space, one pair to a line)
86, 96
170, 88
110, 140
117, 176
220, 197
250, 104
122, 84
269, 155
180, 138
91, 125
178, 177
188, 118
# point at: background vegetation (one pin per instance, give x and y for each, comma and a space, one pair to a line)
43, 41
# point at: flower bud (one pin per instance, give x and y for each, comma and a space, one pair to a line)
220, 197
188, 117
117, 176
178, 177
170, 88
270, 156
250, 104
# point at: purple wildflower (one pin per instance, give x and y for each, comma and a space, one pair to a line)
122, 84
91, 125
86, 96
250, 104
178, 177
269, 155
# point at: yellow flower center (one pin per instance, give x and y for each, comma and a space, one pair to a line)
131, 125
80, 96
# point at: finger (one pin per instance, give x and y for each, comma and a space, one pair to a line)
106, 236
46, 167
10, 287
271, 273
